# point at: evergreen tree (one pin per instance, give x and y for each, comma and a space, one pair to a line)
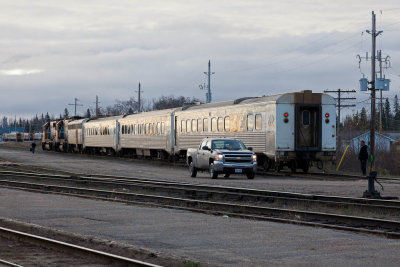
363, 123
387, 116
396, 109
66, 113
88, 115
47, 117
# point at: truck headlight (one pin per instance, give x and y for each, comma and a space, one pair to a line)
254, 158
219, 157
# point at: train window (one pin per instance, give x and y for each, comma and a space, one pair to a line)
306, 117
194, 125
158, 127
199, 125
129, 129
162, 127
213, 124
250, 122
258, 122
183, 126
188, 126
227, 124
220, 125
205, 125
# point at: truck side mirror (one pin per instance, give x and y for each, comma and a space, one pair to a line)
205, 148
250, 148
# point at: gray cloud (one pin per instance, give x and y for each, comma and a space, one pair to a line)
256, 48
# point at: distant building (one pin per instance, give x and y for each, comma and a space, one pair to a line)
382, 142
394, 135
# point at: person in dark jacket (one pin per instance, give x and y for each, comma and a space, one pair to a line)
33, 146
363, 157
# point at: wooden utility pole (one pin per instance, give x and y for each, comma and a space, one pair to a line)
209, 73
339, 104
139, 91
97, 107
75, 104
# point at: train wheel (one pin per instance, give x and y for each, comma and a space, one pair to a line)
267, 164
306, 166
213, 174
192, 170
278, 167
293, 166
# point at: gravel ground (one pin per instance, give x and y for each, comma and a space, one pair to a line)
156, 170
26, 254
208, 239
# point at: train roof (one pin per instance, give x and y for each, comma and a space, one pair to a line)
285, 98
151, 113
100, 119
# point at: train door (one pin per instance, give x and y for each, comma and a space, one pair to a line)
308, 128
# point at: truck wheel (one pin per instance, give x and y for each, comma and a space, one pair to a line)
192, 170
250, 175
213, 174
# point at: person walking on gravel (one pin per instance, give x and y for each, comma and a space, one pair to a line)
33, 146
363, 157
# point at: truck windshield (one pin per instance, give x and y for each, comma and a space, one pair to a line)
227, 144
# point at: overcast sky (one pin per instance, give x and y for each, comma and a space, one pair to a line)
54, 51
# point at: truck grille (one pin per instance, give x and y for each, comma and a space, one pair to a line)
238, 158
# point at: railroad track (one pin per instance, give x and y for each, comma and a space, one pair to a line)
237, 202
261, 173
108, 258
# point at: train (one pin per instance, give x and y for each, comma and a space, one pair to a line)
294, 129
20, 137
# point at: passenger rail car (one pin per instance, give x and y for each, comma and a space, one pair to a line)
74, 138
291, 129
15, 137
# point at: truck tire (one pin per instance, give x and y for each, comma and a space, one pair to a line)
192, 170
250, 175
213, 174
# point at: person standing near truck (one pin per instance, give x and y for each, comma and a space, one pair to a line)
363, 157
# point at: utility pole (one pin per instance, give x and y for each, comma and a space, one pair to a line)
339, 104
75, 104
374, 34
139, 91
97, 107
209, 73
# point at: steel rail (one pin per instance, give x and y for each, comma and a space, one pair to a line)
7, 263
200, 189
52, 243
386, 228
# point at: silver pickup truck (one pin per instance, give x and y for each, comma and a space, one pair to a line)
220, 155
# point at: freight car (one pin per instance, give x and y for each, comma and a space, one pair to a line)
290, 129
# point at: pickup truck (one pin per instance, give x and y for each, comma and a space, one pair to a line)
222, 156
